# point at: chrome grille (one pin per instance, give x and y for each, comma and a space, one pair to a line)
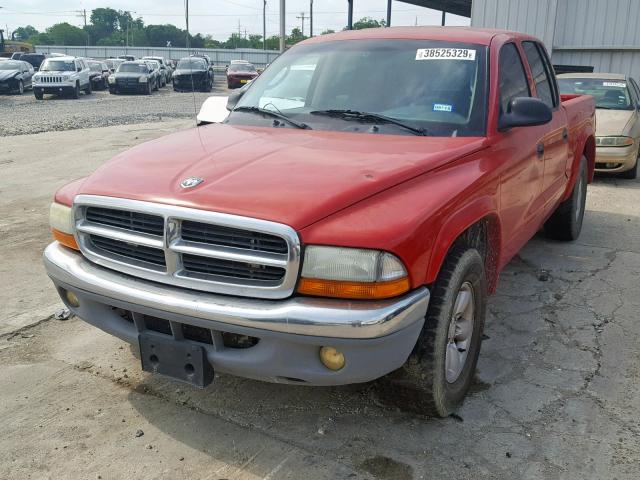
189, 248
232, 237
51, 79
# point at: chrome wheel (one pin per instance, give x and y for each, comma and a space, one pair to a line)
460, 332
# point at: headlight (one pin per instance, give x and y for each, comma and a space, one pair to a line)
62, 225
111, 79
618, 141
352, 273
143, 79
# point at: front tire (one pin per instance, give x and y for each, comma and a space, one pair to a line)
148, 89
439, 372
566, 222
75, 94
88, 90
38, 95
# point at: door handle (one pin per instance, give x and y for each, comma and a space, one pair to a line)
565, 135
540, 149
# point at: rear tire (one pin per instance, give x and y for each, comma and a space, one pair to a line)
566, 222
631, 174
439, 372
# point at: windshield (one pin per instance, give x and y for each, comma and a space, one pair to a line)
95, 67
191, 64
10, 65
132, 68
609, 94
439, 87
241, 67
58, 66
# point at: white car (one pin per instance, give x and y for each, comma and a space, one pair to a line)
62, 76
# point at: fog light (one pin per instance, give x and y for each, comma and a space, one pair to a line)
331, 358
72, 298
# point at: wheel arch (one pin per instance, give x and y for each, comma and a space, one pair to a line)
478, 226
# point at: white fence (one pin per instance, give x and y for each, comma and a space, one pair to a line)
218, 56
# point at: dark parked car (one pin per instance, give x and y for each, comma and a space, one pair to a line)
193, 73
16, 55
99, 75
15, 76
128, 58
239, 74
134, 77
35, 59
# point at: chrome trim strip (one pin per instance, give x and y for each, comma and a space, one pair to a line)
297, 315
226, 253
116, 233
173, 247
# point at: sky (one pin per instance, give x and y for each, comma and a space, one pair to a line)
219, 18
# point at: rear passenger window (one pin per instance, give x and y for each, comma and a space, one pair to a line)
512, 79
539, 72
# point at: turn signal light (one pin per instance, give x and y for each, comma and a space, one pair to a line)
65, 239
353, 290
72, 298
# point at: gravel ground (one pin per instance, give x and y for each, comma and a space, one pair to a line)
23, 114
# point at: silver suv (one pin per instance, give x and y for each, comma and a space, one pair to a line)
62, 76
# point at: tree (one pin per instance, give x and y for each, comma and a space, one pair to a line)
295, 37
104, 22
66, 34
368, 22
22, 33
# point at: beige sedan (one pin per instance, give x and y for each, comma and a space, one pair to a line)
617, 118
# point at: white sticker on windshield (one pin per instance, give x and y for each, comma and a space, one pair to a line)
445, 54
614, 84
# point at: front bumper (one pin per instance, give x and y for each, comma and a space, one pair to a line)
54, 88
375, 337
616, 159
183, 82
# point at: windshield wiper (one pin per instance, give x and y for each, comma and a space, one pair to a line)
370, 116
274, 114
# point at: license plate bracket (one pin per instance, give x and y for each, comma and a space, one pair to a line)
179, 360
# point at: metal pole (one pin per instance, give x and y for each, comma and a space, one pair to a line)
350, 16
444, 16
388, 13
311, 19
264, 25
186, 16
283, 25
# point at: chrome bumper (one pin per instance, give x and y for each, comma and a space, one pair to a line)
333, 318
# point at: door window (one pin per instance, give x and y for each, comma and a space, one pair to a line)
512, 79
541, 76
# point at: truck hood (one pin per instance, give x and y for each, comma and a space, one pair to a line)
295, 177
613, 122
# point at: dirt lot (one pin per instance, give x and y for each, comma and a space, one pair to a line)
556, 396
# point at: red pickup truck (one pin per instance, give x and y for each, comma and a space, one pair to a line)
347, 220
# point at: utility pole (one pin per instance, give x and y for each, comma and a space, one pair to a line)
444, 17
283, 26
186, 17
311, 18
83, 14
302, 17
264, 25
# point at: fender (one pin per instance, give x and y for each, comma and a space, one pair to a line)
480, 208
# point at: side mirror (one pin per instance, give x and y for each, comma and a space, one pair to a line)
79, 69
525, 112
234, 98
